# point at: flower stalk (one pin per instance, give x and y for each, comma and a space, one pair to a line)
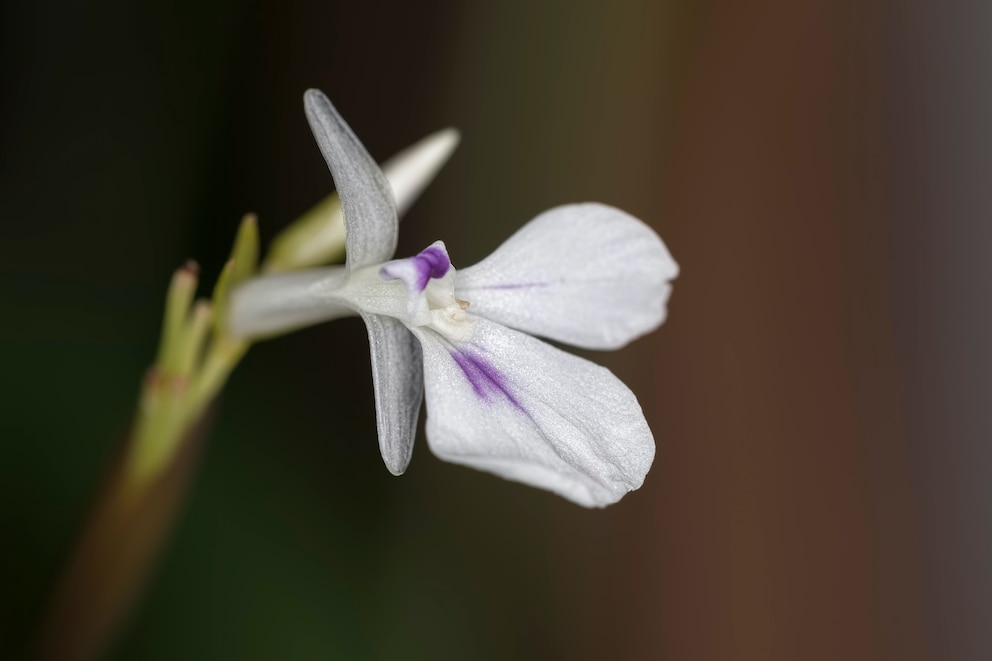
146, 483
145, 486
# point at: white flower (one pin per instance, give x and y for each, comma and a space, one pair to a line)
498, 399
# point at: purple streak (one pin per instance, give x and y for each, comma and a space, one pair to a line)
521, 285
486, 380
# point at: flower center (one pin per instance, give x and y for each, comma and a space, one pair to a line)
429, 281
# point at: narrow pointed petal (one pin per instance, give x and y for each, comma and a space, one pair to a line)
318, 237
276, 304
398, 382
512, 405
585, 274
366, 197
410, 171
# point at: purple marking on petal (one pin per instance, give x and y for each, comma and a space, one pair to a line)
417, 271
437, 260
486, 380
521, 285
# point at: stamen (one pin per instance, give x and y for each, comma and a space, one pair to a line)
430, 293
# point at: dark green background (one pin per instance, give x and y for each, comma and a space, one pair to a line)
820, 170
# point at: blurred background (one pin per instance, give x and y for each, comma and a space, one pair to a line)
819, 395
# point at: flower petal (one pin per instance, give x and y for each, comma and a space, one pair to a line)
586, 274
279, 303
409, 171
366, 197
512, 405
398, 382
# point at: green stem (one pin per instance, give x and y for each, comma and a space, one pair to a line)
146, 484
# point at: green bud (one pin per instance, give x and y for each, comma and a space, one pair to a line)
177, 303
316, 238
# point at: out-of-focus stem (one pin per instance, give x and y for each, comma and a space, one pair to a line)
120, 541
145, 485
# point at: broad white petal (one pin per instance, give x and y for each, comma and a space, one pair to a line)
409, 171
366, 197
276, 304
398, 383
586, 274
512, 405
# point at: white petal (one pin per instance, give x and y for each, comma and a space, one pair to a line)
510, 404
276, 304
409, 171
398, 383
585, 274
366, 197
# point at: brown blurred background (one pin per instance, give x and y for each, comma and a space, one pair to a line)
818, 169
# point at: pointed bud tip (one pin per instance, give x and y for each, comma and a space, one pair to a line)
190, 268
448, 138
437, 147
411, 170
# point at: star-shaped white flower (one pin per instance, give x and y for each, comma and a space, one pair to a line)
498, 399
